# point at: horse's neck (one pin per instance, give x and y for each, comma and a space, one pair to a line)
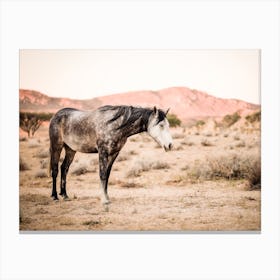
139, 126
136, 128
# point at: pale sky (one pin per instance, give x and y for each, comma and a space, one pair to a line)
83, 74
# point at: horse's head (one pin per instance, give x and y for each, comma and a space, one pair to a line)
158, 128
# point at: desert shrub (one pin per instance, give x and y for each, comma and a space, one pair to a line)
42, 154
200, 123
253, 174
225, 135
229, 120
173, 120
23, 165
233, 166
160, 165
79, 170
41, 174
255, 117
138, 168
143, 166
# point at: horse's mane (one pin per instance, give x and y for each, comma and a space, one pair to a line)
131, 115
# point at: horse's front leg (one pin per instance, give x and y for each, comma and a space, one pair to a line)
105, 165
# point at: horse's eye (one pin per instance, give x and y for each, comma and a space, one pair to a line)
161, 125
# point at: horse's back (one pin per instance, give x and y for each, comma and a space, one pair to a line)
74, 128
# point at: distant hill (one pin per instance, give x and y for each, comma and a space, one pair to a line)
184, 102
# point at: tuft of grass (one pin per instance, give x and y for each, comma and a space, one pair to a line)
42, 154
236, 137
82, 169
129, 185
33, 143
178, 148
132, 153
208, 134
91, 223
206, 143
23, 165
240, 144
160, 165
41, 174
138, 168
143, 166
187, 142
122, 158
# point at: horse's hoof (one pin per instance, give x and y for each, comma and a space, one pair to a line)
106, 207
66, 198
54, 197
106, 202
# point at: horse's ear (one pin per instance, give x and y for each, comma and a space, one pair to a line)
167, 111
155, 110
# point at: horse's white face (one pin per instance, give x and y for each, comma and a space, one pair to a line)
159, 131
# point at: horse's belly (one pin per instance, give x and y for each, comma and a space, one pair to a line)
79, 144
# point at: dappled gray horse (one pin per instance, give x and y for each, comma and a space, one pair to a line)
103, 131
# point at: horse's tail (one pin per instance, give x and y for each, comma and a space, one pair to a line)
50, 166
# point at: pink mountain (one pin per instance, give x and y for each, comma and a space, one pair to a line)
184, 102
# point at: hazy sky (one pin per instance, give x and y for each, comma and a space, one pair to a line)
85, 74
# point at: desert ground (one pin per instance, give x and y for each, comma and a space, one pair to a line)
198, 186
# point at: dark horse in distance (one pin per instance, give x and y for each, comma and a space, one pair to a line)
103, 131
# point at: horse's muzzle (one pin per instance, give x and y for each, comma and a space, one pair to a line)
168, 148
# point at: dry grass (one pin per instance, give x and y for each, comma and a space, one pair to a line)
122, 157
44, 163
41, 174
187, 142
233, 166
129, 185
240, 144
42, 154
80, 170
143, 166
206, 143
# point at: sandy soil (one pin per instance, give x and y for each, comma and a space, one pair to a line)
148, 187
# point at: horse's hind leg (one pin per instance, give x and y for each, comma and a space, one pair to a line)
55, 155
69, 156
